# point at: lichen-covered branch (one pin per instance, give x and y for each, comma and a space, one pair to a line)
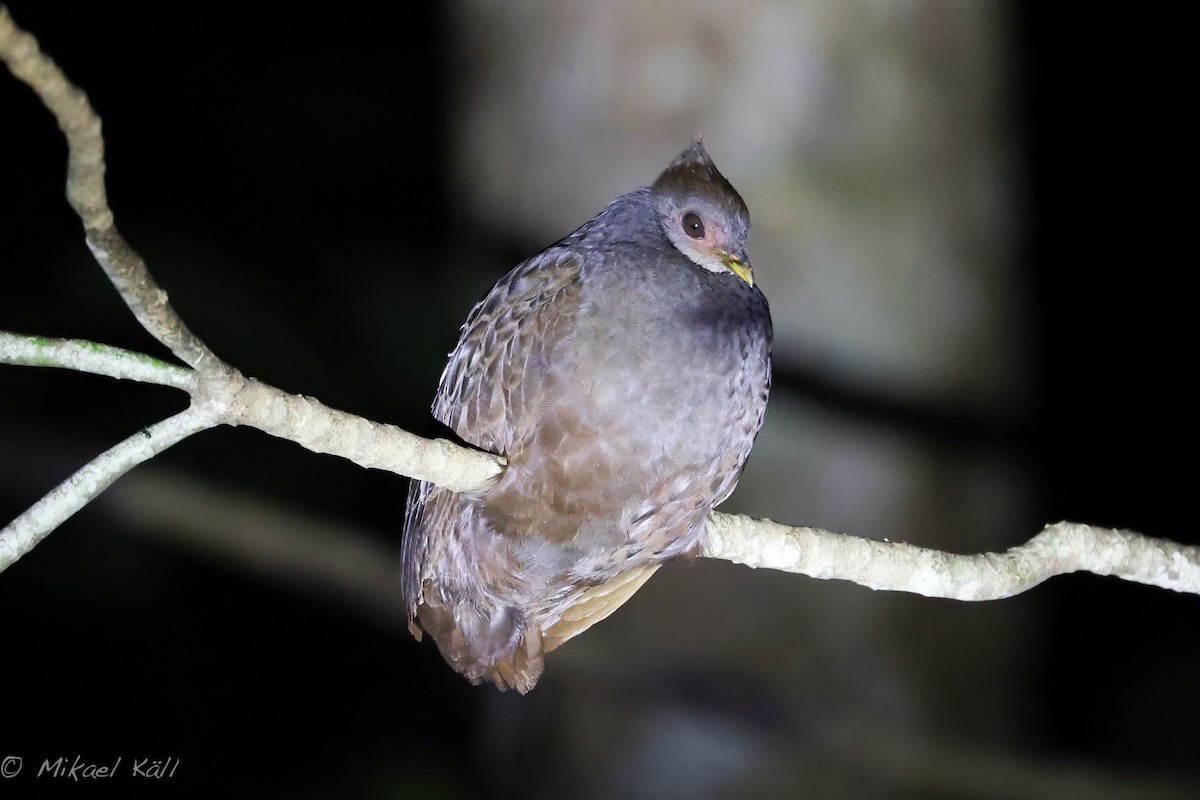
222, 395
894, 566
87, 194
98, 359
322, 429
23, 533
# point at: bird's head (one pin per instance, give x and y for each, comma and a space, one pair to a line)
702, 214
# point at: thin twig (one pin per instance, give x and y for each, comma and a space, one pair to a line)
23, 533
98, 359
87, 194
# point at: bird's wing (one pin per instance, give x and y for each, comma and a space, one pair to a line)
489, 395
493, 381
596, 603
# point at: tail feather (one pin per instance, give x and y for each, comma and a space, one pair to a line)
502, 648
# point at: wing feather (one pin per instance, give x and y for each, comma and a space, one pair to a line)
490, 394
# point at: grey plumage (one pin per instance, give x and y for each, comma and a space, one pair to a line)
624, 373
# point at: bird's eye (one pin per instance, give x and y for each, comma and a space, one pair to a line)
693, 226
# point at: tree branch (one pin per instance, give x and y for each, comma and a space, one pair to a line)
222, 395
1059, 549
374, 445
23, 533
88, 197
98, 359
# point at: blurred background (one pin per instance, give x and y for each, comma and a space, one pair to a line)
966, 219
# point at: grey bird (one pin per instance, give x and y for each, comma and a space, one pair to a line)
623, 373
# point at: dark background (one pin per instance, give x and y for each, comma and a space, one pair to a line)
283, 176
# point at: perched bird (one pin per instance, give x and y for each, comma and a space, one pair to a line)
623, 373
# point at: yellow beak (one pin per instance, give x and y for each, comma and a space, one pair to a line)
738, 267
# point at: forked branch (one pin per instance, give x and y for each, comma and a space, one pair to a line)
220, 395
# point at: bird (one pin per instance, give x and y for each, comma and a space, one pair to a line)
623, 374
